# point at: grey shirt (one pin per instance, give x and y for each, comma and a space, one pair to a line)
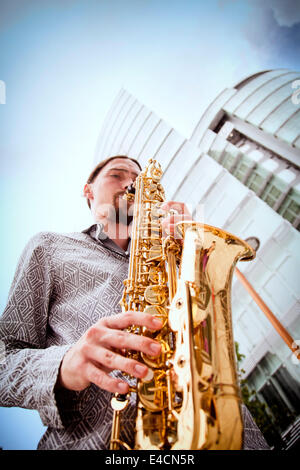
64, 283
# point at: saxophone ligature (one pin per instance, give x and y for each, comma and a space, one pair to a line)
191, 398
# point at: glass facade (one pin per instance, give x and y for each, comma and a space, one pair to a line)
257, 179
242, 168
217, 148
278, 388
231, 156
290, 208
273, 191
234, 154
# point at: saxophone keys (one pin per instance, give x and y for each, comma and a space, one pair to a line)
152, 393
149, 376
157, 362
158, 312
155, 295
154, 274
119, 402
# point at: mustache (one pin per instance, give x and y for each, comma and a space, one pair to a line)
117, 195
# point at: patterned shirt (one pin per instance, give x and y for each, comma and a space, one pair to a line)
64, 283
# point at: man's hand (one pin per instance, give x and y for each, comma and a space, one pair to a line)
92, 358
169, 222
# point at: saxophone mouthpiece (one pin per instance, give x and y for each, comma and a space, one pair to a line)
130, 192
131, 189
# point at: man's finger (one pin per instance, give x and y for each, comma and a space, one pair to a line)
122, 340
131, 317
113, 361
98, 377
169, 224
180, 207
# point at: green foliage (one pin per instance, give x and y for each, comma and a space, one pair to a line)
266, 420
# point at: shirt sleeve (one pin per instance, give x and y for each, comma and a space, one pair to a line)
28, 368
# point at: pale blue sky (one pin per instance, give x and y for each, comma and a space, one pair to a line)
63, 63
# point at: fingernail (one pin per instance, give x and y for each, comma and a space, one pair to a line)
139, 369
156, 322
155, 348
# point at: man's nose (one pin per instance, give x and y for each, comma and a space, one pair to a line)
128, 182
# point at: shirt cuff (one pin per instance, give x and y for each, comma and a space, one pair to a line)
49, 410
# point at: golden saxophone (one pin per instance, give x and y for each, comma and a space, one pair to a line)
191, 400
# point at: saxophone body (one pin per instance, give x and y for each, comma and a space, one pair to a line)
191, 399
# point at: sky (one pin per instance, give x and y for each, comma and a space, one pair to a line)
62, 63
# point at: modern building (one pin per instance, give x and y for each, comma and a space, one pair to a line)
240, 171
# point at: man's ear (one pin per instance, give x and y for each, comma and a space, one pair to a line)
88, 191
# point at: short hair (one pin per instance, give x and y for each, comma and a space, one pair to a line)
102, 164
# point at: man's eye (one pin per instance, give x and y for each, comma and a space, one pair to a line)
116, 176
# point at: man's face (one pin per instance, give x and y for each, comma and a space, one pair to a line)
109, 187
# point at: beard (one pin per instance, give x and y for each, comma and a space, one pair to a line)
123, 211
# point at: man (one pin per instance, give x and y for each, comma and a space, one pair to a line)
62, 327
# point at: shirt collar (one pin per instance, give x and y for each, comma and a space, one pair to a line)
96, 232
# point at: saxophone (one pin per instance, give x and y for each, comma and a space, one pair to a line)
191, 398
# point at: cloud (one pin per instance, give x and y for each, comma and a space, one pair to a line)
286, 12
272, 29
270, 39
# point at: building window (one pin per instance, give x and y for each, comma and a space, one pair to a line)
234, 154
242, 168
279, 389
228, 161
257, 179
290, 208
255, 182
277, 405
290, 387
273, 191
217, 148
231, 156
